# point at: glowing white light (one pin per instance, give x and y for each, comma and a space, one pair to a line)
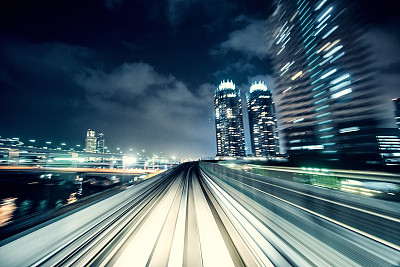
341, 85
130, 160
350, 129
287, 89
298, 120
323, 62
341, 78
226, 85
320, 30
281, 50
333, 51
320, 5
284, 67
322, 22
328, 73
337, 57
328, 33
283, 35
326, 13
342, 93
258, 86
313, 147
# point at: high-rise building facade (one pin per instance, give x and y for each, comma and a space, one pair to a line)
229, 121
100, 143
396, 103
262, 121
325, 88
91, 141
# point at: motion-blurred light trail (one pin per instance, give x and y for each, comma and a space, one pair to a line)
209, 215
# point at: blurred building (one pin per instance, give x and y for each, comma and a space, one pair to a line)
100, 143
91, 141
262, 120
325, 89
396, 102
389, 146
228, 120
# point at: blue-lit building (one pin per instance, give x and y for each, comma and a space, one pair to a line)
262, 121
325, 87
229, 121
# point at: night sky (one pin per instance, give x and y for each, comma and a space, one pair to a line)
144, 72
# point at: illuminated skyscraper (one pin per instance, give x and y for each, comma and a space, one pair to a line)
228, 120
396, 103
262, 120
100, 143
91, 141
325, 91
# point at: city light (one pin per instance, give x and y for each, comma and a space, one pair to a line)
296, 75
130, 160
328, 73
296, 163
342, 93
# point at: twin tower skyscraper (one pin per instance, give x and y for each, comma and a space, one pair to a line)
229, 121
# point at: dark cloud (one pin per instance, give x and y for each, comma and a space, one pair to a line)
39, 94
162, 112
250, 40
112, 4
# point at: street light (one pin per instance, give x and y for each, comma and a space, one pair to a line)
63, 144
48, 142
32, 141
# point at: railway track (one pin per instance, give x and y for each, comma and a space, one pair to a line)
189, 217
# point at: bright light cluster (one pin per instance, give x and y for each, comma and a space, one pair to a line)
226, 85
258, 86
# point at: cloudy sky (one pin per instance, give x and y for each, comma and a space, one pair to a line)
144, 72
